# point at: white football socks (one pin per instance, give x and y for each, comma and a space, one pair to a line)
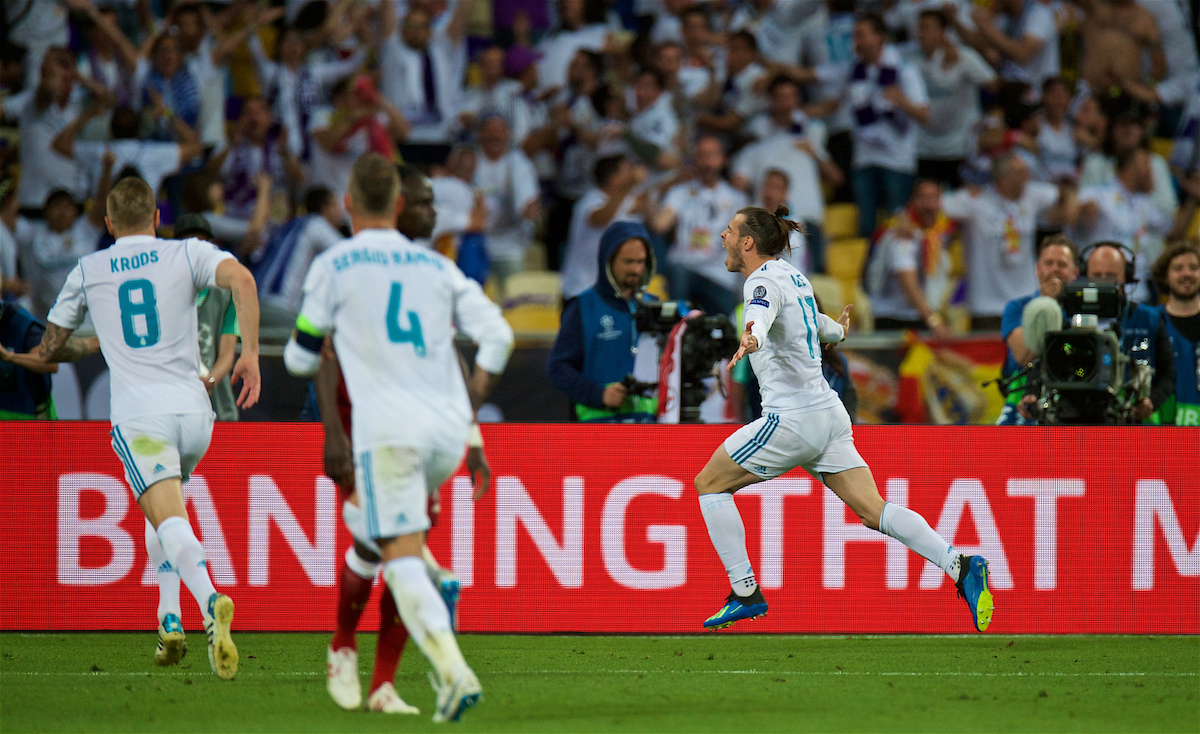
911, 529
424, 614
728, 536
187, 556
168, 578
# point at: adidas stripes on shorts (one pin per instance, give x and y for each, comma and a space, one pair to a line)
395, 485
157, 447
819, 441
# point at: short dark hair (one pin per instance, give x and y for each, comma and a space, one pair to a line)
1055, 81
875, 20
595, 61
58, 195
409, 174
194, 192
124, 124
316, 199
1059, 240
606, 168
780, 80
745, 37
771, 232
936, 15
699, 10
659, 80
1126, 158
1163, 263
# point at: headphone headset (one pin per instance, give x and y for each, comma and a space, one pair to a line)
1126, 252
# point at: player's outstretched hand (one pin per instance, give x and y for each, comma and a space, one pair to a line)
748, 345
246, 372
844, 321
479, 471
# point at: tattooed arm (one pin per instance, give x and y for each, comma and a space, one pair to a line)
57, 346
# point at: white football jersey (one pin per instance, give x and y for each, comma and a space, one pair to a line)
789, 328
141, 293
393, 308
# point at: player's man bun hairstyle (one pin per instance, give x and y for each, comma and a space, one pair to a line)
130, 206
374, 186
771, 232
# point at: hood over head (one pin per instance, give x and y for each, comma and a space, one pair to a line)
617, 234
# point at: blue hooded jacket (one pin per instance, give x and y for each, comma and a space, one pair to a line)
596, 337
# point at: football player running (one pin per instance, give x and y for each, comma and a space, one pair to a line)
141, 293
393, 309
803, 425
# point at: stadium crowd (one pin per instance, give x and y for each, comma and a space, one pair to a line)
926, 146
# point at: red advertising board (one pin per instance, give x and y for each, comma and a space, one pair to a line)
597, 529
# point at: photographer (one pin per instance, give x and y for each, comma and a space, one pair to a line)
1057, 265
1177, 272
1143, 333
597, 342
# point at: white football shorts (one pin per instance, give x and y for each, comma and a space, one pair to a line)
819, 441
158, 447
395, 484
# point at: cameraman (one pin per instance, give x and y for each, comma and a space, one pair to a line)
1057, 265
597, 341
1177, 272
1143, 334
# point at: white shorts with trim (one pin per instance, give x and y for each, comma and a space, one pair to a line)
819, 441
394, 486
157, 447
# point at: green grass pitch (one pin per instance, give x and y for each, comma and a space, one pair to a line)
107, 682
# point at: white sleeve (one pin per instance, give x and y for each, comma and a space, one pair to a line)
88, 156
829, 331
913, 85
263, 66
762, 303
204, 257
320, 300
1041, 24
814, 130
959, 205
71, 306
975, 69
525, 183
1044, 195
476, 316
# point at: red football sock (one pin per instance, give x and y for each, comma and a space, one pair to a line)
392, 636
353, 593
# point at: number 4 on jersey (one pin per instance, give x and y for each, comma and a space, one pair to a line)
399, 335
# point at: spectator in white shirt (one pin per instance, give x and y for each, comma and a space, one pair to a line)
668, 23
109, 58
654, 119
150, 160
908, 276
165, 90
509, 182
422, 67
790, 142
575, 31
493, 94
1058, 153
736, 99
294, 86
54, 103
49, 249
360, 120
1000, 225
698, 211
1018, 36
953, 76
1122, 211
611, 200
702, 62
776, 25
887, 101
281, 271
258, 145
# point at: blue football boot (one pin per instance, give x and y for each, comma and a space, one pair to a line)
973, 588
738, 608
